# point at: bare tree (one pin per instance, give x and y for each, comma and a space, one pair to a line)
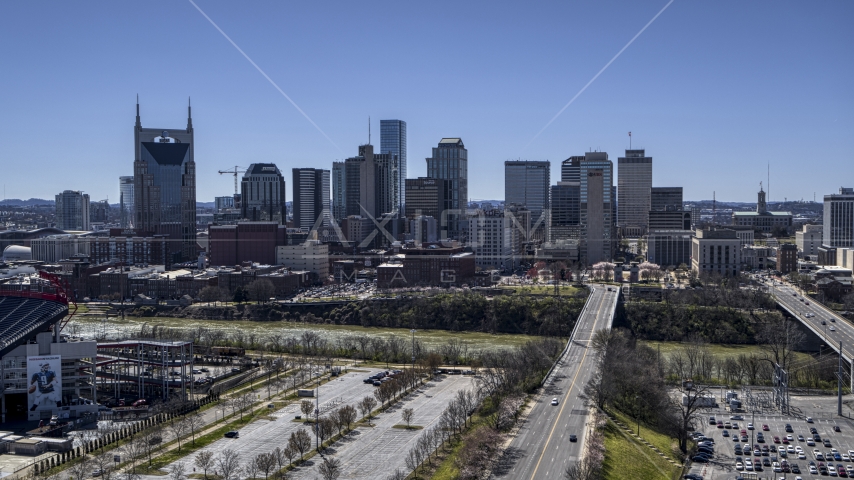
323, 430
104, 464
582, 470
330, 469
177, 471
266, 462
151, 441
307, 407
80, 469
204, 460
407, 415
132, 450
194, 422
780, 336
300, 442
346, 416
228, 463
367, 406
396, 475
178, 428
251, 469
289, 452
245, 401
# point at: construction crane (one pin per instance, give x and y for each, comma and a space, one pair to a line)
235, 172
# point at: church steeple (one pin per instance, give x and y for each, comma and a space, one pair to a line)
189, 116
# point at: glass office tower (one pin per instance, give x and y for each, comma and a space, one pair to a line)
450, 162
393, 140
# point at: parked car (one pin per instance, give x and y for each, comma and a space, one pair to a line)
232, 434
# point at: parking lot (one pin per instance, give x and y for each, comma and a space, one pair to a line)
723, 464
371, 453
263, 436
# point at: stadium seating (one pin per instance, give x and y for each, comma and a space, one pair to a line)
21, 318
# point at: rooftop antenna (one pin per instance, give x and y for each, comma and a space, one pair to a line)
630, 140
769, 181
369, 129
714, 208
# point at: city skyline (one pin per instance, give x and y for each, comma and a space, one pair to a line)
715, 101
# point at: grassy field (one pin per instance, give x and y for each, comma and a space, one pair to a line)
540, 289
116, 327
626, 458
717, 349
667, 445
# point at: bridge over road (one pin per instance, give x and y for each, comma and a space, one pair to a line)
542, 448
828, 325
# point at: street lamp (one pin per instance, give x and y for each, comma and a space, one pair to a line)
413, 347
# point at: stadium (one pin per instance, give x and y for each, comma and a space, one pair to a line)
43, 374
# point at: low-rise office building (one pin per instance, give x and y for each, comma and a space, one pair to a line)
716, 251
669, 247
310, 255
809, 239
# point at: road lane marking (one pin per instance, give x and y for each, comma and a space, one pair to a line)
577, 372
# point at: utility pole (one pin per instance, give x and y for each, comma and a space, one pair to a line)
839, 383
317, 415
413, 348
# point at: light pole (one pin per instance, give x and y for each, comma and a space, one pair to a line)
413, 348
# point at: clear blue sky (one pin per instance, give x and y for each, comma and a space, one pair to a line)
712, 90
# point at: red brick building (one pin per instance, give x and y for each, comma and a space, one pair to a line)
230, 245
431, 266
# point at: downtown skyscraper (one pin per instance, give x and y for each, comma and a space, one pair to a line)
594, 174
311, 197
527, 183
634, 191
262, 194
450, 162
72, 210
164, 174
393, 141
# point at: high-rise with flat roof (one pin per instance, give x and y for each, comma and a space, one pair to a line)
164, 173
126, 201
634, 185
665, 199
427, 197
565, 211
393, 141
262, 193
311, 197
527, 183
339, 191
594, 171
371, 183
450, 162
839, 218
72, 210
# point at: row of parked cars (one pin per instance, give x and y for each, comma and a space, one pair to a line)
378, 379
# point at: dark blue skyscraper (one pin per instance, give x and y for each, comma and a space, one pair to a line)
393, 140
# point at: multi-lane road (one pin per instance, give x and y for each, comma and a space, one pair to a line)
542, 448
828, 325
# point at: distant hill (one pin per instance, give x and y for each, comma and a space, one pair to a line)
32, 201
